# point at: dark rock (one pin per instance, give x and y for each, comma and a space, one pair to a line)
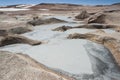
3, 32
83, 15
63, 28
1, 12
13, 39
19, 30
96, 26
79, 36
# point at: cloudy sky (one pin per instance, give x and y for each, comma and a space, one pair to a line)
85, 2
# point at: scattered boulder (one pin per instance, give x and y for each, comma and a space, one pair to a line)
3, 32
44, 21
19, 30
83, 15
35, 18
1, 12
13, 39
96, 18
96, 26
63, 28
79, 36
117, 29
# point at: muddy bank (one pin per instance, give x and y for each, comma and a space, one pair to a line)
62, 28
35, 22
13, 39
88, 26
103, 64
19, 30
111, 41
20, 66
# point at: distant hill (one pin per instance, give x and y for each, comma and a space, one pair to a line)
116, 3
17, 6
60, 4
55, 6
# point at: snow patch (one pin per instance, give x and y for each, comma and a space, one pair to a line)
12, 9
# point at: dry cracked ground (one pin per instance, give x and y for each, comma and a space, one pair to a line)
45, 42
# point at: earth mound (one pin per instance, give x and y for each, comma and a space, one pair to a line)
44, 21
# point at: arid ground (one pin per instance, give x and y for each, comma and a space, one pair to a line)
60, 42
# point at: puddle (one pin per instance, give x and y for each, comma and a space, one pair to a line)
67, 55
44, 32
79, 30
109, 30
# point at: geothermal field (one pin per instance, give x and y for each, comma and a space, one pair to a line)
60, 42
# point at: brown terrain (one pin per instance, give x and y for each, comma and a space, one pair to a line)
14, 23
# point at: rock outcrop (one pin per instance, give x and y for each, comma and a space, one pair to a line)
97, 26
112, 18
83, 15
97, 18
22, 67
88, 26
16, 30
44, 21
63, 28
13, 39
19, 30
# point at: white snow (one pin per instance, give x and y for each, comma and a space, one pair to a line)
44, 9
25, 6
12, 9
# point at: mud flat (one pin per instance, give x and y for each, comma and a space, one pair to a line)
71, 49
80, 59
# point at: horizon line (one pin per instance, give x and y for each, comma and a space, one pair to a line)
57, 3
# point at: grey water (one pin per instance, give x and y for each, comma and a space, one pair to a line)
104, 65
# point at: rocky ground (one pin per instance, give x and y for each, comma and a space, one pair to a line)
18, 23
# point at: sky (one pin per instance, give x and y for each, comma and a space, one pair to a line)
84, 2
